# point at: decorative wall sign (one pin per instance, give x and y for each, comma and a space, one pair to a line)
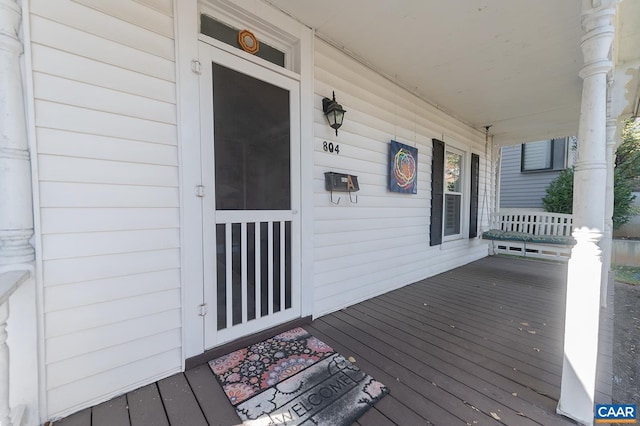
403, 168
248, 42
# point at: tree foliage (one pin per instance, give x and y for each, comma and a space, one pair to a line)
623, 207
628, 153
559, 198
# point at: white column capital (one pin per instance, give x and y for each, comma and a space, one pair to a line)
599, 30
598, 10
10, 18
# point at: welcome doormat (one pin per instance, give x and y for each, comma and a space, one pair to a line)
295, 379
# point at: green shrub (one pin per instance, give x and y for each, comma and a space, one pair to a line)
559, 198
623, 207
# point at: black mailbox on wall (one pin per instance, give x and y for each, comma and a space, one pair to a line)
340, 182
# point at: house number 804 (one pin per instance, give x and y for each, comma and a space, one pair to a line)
330, 147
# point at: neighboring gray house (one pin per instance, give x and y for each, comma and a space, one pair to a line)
527, 169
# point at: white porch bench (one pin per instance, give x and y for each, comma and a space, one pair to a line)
531, 234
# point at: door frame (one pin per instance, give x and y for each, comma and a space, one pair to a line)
209, 54
301, 39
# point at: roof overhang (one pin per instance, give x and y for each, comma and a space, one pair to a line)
510, 64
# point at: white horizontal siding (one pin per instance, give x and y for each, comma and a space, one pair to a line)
81, 43
141, 13
96, 316
73, 270
70, 370
66, 194
87, 293
88, 341
70, 92
71, 220
100, 74
76, 119
381, 242
107, 157
54, 168
89, 390
75, 15
75, 245
71, 144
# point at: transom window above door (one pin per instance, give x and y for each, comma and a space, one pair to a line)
229, 35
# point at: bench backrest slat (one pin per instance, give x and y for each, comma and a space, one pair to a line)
536, 223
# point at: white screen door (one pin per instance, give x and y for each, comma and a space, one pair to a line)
250, 134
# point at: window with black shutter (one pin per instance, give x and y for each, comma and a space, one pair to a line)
475, 179
437, 187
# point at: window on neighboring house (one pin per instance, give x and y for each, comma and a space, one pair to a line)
543, 155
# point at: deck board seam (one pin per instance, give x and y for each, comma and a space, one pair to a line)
456, 334
438, 390
466, 360
420, 394
446, 370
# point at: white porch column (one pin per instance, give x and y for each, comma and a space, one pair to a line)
585, 267
16, 215
606, 244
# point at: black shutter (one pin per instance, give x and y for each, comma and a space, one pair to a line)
437, 188
475, 178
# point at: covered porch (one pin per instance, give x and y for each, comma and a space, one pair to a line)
110, 223
480, 344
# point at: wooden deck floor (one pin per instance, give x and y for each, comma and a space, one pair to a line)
478, 345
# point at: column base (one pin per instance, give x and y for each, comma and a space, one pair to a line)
15, 247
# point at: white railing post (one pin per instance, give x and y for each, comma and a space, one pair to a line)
5, 409
9, 283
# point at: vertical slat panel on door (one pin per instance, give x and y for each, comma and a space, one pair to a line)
283, 276
243, 269
270, 263
258, 271
229, 275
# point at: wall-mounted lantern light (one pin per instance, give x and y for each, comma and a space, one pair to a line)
334, 112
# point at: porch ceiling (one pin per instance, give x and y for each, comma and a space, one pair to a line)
510, 64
